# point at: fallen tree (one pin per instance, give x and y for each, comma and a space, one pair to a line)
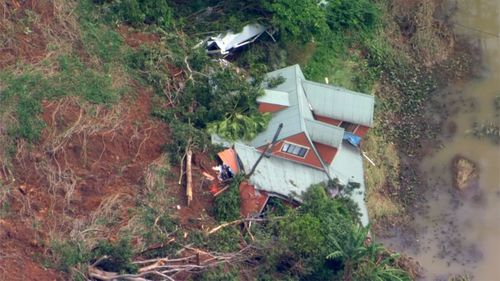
166, 268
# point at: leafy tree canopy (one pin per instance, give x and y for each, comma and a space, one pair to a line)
297, 19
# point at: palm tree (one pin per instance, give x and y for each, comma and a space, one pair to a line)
366, 260
351, 251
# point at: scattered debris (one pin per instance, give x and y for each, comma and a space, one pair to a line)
229, 158
224, 172
208, 176
224, 44
253, 201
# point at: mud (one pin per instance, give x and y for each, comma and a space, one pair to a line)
456, 232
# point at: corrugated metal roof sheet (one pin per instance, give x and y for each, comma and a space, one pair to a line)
339, 103
324, 133
347, 166
274, 97
291, 126
288, 178
325, 100
278, 175
290, 73
291, 117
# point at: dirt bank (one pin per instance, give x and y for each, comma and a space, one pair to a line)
87, 155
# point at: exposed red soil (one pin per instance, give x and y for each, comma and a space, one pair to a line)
99, 163
22, 25
18, 245
136, 38
195, 215
252, 200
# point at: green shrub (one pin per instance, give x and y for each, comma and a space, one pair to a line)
227, 204
348, 14
66, 255
306, 234
118, 256
23, 94
218, 274
225, 240
149, 65
137, 12
299, 20
240, 126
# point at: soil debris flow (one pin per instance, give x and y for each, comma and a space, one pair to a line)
114, 124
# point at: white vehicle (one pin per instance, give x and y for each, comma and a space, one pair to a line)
223, 44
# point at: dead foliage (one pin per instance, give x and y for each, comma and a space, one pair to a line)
431, 39
80, 181
33, 30
193, 261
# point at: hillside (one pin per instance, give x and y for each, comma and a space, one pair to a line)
101, 101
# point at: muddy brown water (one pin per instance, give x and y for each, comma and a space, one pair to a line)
459, 234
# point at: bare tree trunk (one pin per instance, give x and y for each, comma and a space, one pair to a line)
189, 175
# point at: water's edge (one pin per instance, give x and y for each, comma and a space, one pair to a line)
459, 233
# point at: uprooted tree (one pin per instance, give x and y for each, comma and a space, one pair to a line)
320, 240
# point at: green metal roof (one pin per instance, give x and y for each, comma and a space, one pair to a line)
339, 103
274, 97
278, 175
347, 166
324, 133
305, 97
286, 177
292, 116
289, 178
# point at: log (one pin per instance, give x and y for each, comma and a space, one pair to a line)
189, 176
220, 191
215, 229
108, 276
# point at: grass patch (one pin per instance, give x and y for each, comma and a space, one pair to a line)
152, 221
103, 42
22, 94
97, 37
381, 179
68, 255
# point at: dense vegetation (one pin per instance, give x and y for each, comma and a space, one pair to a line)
351, 43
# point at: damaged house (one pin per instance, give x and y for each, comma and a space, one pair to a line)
319, 140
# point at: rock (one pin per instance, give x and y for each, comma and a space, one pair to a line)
465, 173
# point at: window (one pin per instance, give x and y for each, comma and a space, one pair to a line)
294, 149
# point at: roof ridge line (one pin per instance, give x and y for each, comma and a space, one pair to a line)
321, 161
324, 124
339, 87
